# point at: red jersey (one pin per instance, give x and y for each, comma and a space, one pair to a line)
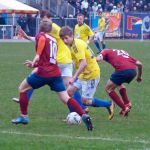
47, 65
119, 59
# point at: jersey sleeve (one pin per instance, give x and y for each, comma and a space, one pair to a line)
40, 45
90, 32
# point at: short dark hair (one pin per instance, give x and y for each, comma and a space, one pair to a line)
66, 30
45, 13
46, 26
80, 14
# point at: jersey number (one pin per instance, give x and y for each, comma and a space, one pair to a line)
53, 52
122, 53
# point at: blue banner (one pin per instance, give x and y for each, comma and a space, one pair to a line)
137, 25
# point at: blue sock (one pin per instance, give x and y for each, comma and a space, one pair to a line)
100, 103
29, 94
97, 45
78, 98
103, 46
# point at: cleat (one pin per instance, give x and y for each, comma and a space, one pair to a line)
111, 111
125, 112
86, 110
129, 105
87, 120
20, 120
15, 99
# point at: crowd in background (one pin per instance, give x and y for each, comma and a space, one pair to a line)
86, 6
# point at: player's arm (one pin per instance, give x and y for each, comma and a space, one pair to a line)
23, 34
39, 50
80, 69
99, 57
139, 75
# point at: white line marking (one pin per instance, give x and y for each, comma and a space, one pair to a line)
78, 137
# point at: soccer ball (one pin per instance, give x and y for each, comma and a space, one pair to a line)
73, 118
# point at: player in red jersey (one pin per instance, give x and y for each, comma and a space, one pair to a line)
47, 73
125, 71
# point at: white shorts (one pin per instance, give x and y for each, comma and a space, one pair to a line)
88, 87
99, 36
66, 69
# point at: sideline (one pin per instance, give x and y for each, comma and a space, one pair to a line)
78, 137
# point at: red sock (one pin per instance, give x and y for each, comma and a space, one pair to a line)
124, 95
75, 106
24, 103
117, 99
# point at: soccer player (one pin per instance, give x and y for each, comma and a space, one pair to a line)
125, 71
87, 74
99, 36
83, 31
47, 73
63, 56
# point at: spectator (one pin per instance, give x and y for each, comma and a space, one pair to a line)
84, 7
114, 10
95, 8
31, 22
22, 21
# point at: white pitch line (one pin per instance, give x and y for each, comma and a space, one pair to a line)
78, 137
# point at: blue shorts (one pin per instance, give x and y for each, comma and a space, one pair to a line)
55, 83
125, 76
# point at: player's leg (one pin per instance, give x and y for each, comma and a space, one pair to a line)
88, 91
23, 101
57, 85
101, 38
110, 89
32, 82
123, 93
96, 42
29, 92
128, 76
67, 70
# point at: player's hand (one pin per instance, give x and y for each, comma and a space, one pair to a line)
71, 81
139, 79
22, 33
29, 63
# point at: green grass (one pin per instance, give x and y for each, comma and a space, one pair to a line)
46, 130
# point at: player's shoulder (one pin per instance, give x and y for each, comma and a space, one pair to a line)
79, 42
55, 26
51, 38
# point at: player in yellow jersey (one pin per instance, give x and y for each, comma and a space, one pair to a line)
87, 75
84, 32
99, 36
64, 59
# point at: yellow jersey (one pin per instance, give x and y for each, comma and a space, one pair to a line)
101, 24
63, 54
80, 50
83, 32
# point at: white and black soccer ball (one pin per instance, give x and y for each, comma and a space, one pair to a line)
73, 118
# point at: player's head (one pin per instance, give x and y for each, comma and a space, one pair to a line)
46, 26
66, 34
80, 19
45, 15
100, 13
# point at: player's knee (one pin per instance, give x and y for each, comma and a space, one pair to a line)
70, 93
86, 102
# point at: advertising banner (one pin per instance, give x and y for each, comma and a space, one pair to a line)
113, 22
137, 25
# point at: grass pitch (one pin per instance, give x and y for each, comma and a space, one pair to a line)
46, 131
